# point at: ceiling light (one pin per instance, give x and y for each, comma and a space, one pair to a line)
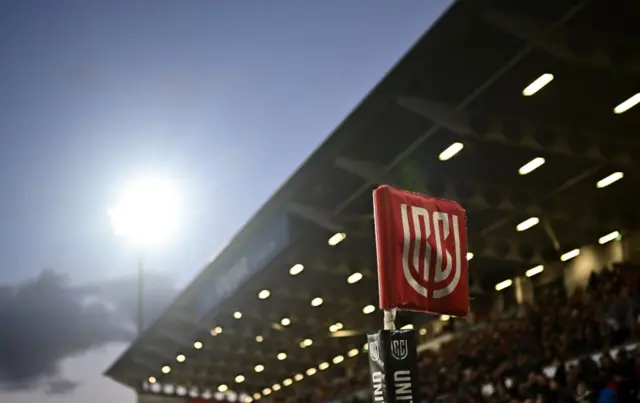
282, 356
609, 237
570, 255
306, 343
240, 378
298, 377
287, 382
368, 309
197, 345
223, 388
407, 327
257, 396
237, 315
614, 177
266, 391
534, 270
528, 223
450, 151
258, 368
248, 399
216, 331
264, 294
503, 284
469, 255
152, 379
354, 278
333, 329
311, 371
353, 352
181, 358
537, 84
423, 331
166, 369
276, 387
296, 269
323, 366
445, 318
628, 104
531, 166
337, 238
338, 359
259, 339
365, 347
316, 301
285, 321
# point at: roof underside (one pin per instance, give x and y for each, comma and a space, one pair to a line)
462, 82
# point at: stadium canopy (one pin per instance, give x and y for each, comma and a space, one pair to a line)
295, 290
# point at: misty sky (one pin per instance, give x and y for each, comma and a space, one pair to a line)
226, 98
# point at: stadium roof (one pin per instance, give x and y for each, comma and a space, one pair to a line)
463, 82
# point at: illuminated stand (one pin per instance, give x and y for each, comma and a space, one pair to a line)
421, 244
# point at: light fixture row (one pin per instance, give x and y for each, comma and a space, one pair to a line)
615, 235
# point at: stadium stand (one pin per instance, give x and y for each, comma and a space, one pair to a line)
548, 179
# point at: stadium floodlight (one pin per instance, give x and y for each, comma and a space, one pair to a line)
296, 269
606, 181
609, 237
450, 151
537, 84
146, 213
628, 104
531, 166
534, 270
504, 284
354, 278
528, 223
570, 255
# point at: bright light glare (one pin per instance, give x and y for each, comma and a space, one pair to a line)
285, 321
316, 301
181, 358
469, 255
197, 345
282, 356
259, 368
368, 309
503, 284
298, 377
287, 382
531, 166
338, 359
296, 269
323, 366
152, 379
537, 84
264, 294
354, 278
311, 371
353, 352
570, 255
445, 318
337, 238
628, 104
407, 327
166, 369
528, 223
609, 237
240, 378
534, 270
223, 388
614, 177
450, 151
147, 211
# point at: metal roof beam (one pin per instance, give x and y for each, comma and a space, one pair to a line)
570, 141
602, 50
322, 218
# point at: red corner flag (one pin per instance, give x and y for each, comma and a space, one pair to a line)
422, 252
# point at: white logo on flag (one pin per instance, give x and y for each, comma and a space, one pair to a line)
374, 352
399, 349
439, 225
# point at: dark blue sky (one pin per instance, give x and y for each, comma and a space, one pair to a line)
226, 97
